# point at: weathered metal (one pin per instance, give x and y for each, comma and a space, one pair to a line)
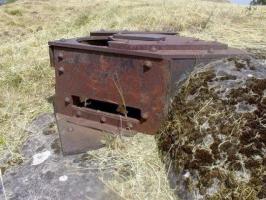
121, 82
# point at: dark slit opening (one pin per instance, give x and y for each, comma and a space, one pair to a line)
107, 107
95, 42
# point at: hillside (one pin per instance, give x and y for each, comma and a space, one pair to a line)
27, 80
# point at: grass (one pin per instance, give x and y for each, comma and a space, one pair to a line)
26, 79
137, 172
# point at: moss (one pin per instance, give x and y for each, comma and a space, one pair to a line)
219, 139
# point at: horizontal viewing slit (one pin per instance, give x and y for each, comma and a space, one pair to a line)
95, 42
107, 107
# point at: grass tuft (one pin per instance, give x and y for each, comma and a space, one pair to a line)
14, 12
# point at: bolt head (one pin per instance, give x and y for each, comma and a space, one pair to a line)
210, 51
78, 114
61, 69
103, 119
129, 125
67, 99
60, 56
153, 49
70, 129
148, 64
145, 116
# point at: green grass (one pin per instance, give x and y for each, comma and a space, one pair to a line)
14, 12
10, 1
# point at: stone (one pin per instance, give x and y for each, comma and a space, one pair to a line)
214, 140
46, 174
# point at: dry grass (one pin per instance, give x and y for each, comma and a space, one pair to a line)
26, 80
208, 131
137, 172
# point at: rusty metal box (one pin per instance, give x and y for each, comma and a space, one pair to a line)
121, 82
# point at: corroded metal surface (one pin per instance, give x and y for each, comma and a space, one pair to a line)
121, 81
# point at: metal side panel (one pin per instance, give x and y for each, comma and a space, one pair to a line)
79, 135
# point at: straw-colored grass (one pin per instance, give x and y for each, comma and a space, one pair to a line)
132, 168
26, 79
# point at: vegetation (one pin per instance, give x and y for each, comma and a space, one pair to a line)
215, 132
10, 1
27, 80
258, 2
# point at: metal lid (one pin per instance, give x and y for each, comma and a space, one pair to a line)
161, 42
141, 37
110, 33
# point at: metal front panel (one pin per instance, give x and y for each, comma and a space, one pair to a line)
108, 80
78, 135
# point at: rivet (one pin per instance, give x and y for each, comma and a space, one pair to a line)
103, 119
78, 114
129, 125
153, 49
70, 129
61, 69
60, 56
210, 51
148, 64
67, 99
145, 116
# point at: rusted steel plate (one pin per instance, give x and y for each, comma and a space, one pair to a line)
174, 47
80, 135
121, 81
110, 33
111, 81
161, 42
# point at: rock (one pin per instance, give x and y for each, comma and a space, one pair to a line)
40, 123
46, 175
214, 141
39, 158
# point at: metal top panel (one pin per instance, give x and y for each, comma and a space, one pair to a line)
161, 42
139, 37
154, 45
109, 33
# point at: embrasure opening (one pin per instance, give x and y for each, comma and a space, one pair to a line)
95, 42
107, 107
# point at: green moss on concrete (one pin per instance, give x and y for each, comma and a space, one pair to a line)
214, 141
